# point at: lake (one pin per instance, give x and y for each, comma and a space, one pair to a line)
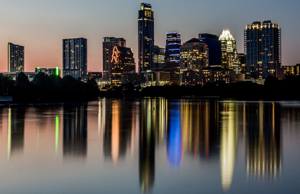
151, 146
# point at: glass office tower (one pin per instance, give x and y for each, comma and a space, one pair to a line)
122, 62
159, 58
108, 44
146, 37
172, 56
214, 45
263, 50
75, 58
15, 57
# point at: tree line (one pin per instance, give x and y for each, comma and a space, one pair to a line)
46, 88
273, 89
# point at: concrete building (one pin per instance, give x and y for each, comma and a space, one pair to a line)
191, 78
217, 74
94, 75
194, 56
291, 70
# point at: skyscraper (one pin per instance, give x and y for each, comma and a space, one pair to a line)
15, 57
172, 56
193, 57
229, 51
108, 44
159, 58
146, 37
122, 62
263, 50
214, 46
75, 58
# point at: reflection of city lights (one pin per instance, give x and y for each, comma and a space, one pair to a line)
115, 137
228, 146
9, 134
56, 133
174, 144
263, 149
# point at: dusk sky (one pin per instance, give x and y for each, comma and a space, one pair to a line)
40, 25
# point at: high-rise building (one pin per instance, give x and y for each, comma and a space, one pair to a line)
108, 44
214, 46
122, 62
159, 58
242, 62
146, 37
75, 58
229, 51
172, 56
15, 57
263, 49
193, 57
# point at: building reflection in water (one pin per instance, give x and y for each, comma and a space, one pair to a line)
229, 137
263, 141
15, 130
116, 128
75, 131
147, 144
174, 146
209, 130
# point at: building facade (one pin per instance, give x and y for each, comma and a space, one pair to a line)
133, 77
48, 71
172, 56
75, 58
229, 51
263, 50
145, 37
216, 74
194, 56
94, 75
291, 70
242, 62
122, 62
214, 46
108, 44
191, 78
159, 58
15, 58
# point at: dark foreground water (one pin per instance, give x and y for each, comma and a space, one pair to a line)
151, 146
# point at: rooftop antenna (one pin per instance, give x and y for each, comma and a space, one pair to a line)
9, 40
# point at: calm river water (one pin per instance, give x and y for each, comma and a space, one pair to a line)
151, 146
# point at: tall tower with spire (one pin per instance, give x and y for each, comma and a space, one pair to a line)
229, 51
146, 37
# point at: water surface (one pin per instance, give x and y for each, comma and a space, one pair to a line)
151, 146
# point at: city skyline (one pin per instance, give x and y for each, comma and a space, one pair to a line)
43, 31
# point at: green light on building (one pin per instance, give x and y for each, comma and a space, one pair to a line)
56, 134
57, 72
